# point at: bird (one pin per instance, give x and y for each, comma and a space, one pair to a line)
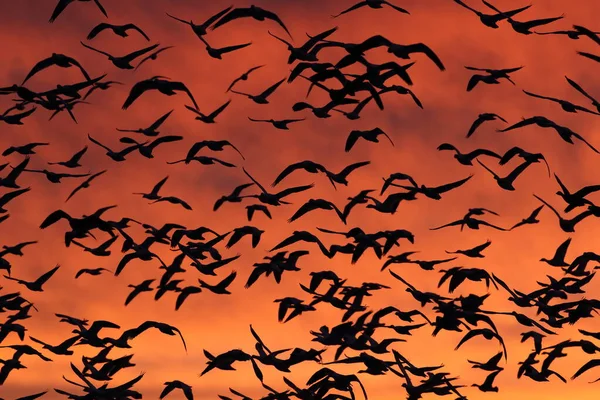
487, 385
25, 150
492, 77
60, 60
436, 192
63, 4
279, 124
152, 130
55, 177
209, 118
467, 158
564, 132
564, 104
153, 194
172, 385
491, 20
491, 365
303, 53
368, 135
114, 155
261, 98
85, 184
166, 87
153, 56
567, 225
474, 252
90, 271
255, 12
525, 27
35, 286
137, 289
530, 220
375, 4
213, 145
575, 199
234, 197
507, 182
217, 53
202, 29
72, 162
481, 119
558, 260
221, 287
243, 77
578, 87
274, 199
525, 155
119, 30
123, 62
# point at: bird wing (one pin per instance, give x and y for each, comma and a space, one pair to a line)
133, 55
159, 185
219, 110
518, 171
96, 50
578, 136
352, 8
293, 167
97, 29
181, 87
53, 218
423, 48
239, 12
473, 81
589, 55
482, 247
215, 17
453, 185
587, 190
352, 139
137, 90
229, 49
40, 66
4, 199
136, 28
60, 7
292, 190
274, 17
484, 152
587, 366
101, 8
271, 89
350, 168
317, 38
541, 97
510, 154
159, 121
306, 208
44, 278
254, 180
577, 87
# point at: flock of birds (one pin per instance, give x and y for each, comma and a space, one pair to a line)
364, 336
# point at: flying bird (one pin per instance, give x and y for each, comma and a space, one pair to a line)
119, 30
63, 4
374, 4
59, 60
166, 87
369, 135
255, 12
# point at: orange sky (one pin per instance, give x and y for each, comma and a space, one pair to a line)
219, 323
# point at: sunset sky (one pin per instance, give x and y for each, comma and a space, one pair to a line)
219, 323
